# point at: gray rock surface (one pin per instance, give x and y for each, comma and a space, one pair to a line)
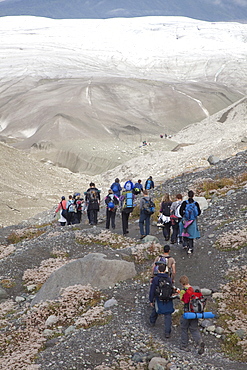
93, 269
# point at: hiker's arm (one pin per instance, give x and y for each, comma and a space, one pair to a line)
199, 209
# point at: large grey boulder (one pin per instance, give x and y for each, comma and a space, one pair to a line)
93, 269
202, 201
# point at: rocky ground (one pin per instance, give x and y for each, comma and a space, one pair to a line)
127, 335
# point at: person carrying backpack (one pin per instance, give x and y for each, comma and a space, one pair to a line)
61, 208
138, 188
189, 324
127, 205
160, 298
149, 184
166, 259
71, 210
145, 213
111, 201
92, 200
189, 211
175, 218
116, 188
165, 210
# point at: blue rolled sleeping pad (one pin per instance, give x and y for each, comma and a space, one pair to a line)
193, 315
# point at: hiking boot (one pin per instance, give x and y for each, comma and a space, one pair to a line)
167, 335
190, 251
142, 236
201, 348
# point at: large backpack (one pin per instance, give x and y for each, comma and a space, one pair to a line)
93, 195
148, 206
162, 260
166, 208
149, 184
128, 200
191, 211
164, 289
197, 302
72, 207
115, 187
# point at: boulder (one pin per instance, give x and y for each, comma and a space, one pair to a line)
93, 269
158, 363
212, 159
202, 201
149, 239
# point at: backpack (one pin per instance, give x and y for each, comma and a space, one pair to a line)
164, 289
128, 200
115, 187
149, 206
197, 302
128, 185
149, 183
111, 205
166, 208
93, 195
177, 210
79, 205
191, 211
71, 207
163, 260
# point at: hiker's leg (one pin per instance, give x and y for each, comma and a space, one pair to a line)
195, 330
113, 216
153, 316
166, 230
124, 222
191, 244
147, 224
174, 232
141, 223
168, 323
184, 325
108, 216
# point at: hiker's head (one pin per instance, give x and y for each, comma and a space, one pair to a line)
184, 280
117, 179
63, 198
151, 178
92, 185
110, 191
162, 267
166, 198
190, 194
70, 197
166, 248
179, 196
139, 181
145, 192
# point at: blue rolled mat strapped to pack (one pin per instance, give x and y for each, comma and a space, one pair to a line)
193, 315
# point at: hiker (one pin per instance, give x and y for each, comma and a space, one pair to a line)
111, 201
144, 215
138, 188
165, 207
166, 259
159, 305
92, 200
189, 210
79, 204
116, 188
71, 209
189, 324
61, 208
175, 219
127, 205
149, 184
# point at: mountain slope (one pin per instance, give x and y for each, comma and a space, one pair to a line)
198, 9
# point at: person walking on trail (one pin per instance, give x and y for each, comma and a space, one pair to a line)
61, 208
168, 261
165, 210
144, 216
116, 188
71, 208
175, 218
160, 306
111, 201
189, 210
149, 184
93, 201
138, 188
127, 205
189, 324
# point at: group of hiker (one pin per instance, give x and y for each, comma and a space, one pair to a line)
178, 221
